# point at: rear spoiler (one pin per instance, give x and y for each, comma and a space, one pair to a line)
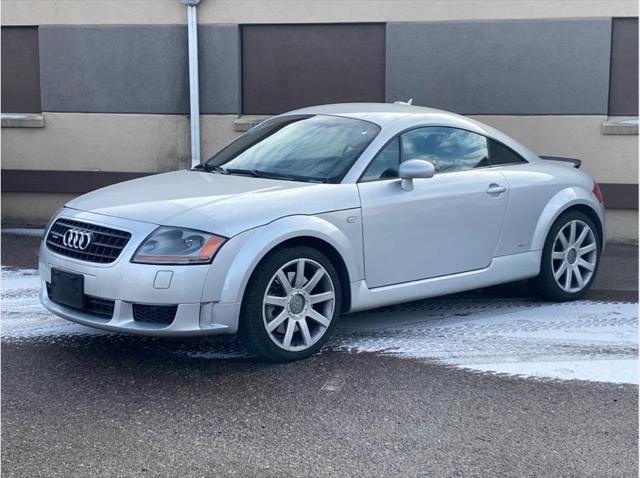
576, 162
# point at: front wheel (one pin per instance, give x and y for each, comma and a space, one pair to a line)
570, 257
291, 304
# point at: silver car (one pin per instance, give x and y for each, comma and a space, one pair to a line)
316, 213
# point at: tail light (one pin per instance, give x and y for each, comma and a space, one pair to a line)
597, 192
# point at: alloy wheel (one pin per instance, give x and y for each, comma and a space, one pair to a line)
298, 304
574, 256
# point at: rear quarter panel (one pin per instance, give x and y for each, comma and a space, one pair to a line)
538, 193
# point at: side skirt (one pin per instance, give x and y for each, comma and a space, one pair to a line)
501, 270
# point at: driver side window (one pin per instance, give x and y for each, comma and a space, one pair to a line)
385, 164
449, 149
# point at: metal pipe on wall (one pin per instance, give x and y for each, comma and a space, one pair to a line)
194, 88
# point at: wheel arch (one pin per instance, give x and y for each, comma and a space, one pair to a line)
293, 230
566, 200
556, 280
591, 214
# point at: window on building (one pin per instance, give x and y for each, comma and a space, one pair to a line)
501, 154
20, 70
623, 86
285, 67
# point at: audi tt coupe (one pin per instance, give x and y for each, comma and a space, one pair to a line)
319, 212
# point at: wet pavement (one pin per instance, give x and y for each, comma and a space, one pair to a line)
429, 388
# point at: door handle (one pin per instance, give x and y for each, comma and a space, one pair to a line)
496, 189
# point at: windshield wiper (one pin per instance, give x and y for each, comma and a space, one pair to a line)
211, 169
257, 173
248, 172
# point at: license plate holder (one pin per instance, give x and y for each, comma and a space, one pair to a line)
67, 288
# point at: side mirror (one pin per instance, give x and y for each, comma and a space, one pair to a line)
415, 168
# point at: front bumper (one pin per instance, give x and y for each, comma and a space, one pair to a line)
199, 310
190, 319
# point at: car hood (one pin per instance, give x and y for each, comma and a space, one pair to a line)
224, 204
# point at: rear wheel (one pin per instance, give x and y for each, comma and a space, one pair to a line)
570, 257
291, 304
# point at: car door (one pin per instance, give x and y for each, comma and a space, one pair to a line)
446, 224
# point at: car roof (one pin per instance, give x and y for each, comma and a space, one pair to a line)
379, 113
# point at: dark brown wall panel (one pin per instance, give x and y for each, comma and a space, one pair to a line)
285, 67
20, 70
79, 182
620, 196
623, 89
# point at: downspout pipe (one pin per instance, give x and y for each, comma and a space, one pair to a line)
194, 88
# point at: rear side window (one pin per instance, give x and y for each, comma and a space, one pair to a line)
500, 154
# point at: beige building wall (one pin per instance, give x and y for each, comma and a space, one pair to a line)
156, 143
111, 142
100, 142
31, 209
609, 158
622, 225
96, 12
153, 143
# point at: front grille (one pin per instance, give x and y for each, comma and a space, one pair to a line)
95, 306
105, 247
154, 314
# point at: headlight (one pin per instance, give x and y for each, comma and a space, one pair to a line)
174, 245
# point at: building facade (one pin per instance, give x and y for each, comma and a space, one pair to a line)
96, 92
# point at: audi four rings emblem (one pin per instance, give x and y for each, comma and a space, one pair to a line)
77, 239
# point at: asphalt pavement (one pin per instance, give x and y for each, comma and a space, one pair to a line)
80, 404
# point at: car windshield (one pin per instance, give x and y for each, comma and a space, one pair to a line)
314, 148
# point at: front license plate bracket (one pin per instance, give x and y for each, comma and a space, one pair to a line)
67, 288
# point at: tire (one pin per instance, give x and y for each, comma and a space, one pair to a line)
558, 279
284, 319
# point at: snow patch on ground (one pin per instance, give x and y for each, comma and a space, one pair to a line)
596, 341
610, 370
22, 314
